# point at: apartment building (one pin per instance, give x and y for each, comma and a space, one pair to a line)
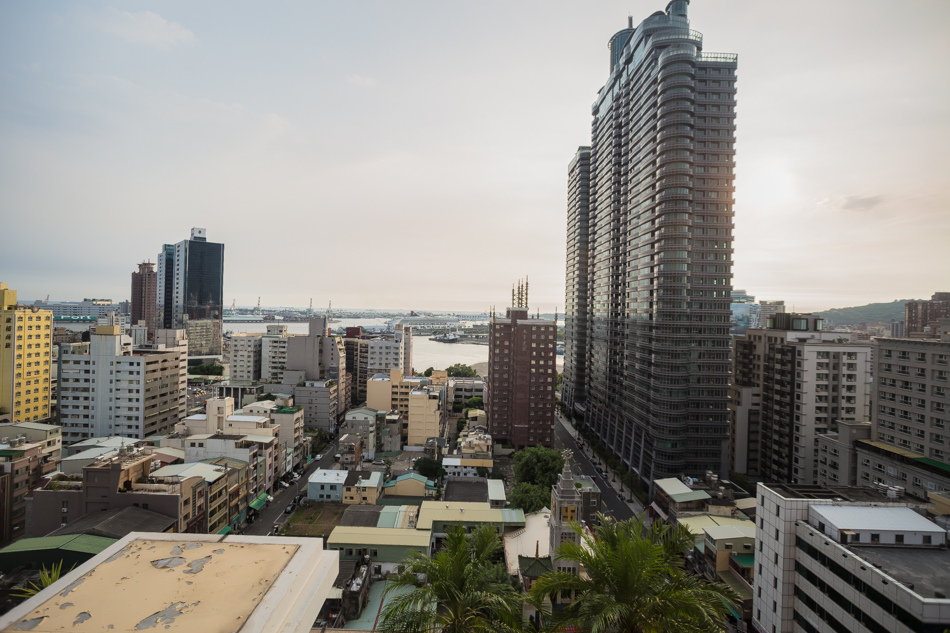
426, 414
655, 336
357, 363
521, 379
108, 387
461, 390
367, 424
390, 392
144, 296
246, 354
49, 436
26, 361
792, 383
274, 353
919, 315
847, 559
116, 482
321, 357
23, 464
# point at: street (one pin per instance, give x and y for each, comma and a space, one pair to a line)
611, 504
273, 513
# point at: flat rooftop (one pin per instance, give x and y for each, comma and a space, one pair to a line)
466, 491
267, 584
842, 493
924, 568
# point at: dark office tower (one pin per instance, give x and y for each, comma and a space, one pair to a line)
522, 376
144, 295
575, 304
660, 251
191, 290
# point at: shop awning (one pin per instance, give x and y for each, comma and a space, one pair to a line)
225, 529
260, 502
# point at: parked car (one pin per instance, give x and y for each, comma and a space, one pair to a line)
378, 462
289, 509
284, 484
318, 457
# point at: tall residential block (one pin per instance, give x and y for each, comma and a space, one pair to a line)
920, 314
519, 391
792, 383
190, 291
109, 387
144, 297
246, 357
25, 359
659, 247
575, 302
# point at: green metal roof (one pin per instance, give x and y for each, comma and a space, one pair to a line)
935, 463
534, 567
71, 542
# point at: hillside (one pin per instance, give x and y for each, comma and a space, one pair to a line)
869, 313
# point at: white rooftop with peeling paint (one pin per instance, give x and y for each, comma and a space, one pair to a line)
187, 582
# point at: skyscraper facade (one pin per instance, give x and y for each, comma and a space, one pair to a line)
575, 302
190, 291
519, 392
659, 247
144, 297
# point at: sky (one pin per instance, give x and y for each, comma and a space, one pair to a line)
413, 154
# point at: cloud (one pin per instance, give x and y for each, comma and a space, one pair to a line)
146, 28
860, 202
361, 81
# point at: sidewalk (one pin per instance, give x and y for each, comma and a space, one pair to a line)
621, 490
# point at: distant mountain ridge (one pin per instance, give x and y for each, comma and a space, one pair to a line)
869, 313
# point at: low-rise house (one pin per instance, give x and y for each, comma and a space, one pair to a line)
467, 466
326, 485
351, 451
411, 485
362, 487
727, 555
365, 423
386, 548
496, 493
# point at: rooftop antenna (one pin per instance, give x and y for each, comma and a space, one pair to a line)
525, 291
514, 304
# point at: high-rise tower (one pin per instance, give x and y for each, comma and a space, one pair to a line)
190, 291
144, 296
659, 246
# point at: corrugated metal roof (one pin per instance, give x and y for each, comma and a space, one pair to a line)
370, 536
72, 542
496, 490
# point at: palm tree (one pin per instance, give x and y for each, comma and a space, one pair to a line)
462, 588
47, 578
634, 582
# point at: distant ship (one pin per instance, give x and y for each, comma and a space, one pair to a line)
448, 337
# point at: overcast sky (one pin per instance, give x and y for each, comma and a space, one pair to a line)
414, 154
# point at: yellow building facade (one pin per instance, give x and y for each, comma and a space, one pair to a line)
26, 347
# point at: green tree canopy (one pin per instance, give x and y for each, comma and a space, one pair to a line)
462, 588
475, 403
428, 467
206, 370
459, 370
538, 465
428, 372
635, 582
529, 497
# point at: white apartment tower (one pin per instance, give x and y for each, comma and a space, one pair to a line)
108, 387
